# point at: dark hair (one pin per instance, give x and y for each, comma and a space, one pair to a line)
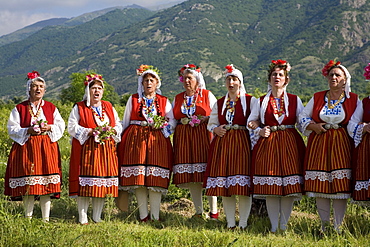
95, 82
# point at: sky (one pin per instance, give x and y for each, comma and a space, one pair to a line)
16, 14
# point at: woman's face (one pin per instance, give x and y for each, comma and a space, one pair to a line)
190, 82
277, 78
96, 92
150, 84
37, 90
232, 84
336, 79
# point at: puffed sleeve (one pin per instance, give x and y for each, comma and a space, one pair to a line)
355, 125
117, 127
76, 130
170, 128
305, 117
16, 132
127, 115
57, 129
213, 121
300, 108
254, 116
212, 99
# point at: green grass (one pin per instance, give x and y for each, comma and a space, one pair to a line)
177, 228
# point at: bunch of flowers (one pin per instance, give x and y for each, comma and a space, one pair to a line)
32, 75
193, 121
367, 72
38, 124
187, 67
157, 122
92, 77
328, 66
145, 67
280, 62
102, 133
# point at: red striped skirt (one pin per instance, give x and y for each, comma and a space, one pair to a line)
34, 168
191, 146
278, 164
361, 170
145, 157
328, 163
98, 169
228, 168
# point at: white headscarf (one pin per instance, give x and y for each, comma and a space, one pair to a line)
347, 88
231, 70
88, 81
140, 88
198, 75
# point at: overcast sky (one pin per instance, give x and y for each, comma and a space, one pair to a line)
16, 14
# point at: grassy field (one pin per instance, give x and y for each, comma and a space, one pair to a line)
177, 228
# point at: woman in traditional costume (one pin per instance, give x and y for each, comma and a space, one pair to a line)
34, 165
94, 125
145, 152
191, 139
327, 166
228, 167
278, 148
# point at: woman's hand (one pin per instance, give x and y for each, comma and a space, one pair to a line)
253, 124
32, 131
45, 128
265, 131
366, 128
220, 130
317, 128
204, 119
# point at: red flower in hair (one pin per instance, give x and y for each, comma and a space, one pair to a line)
185, 67
229, 68
32, 75
92, 77
328, 66
279, 61
367, 72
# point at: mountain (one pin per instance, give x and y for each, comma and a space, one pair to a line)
213, 33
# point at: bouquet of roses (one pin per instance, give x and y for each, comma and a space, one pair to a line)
102, 133
157, 122
38, 124
193, 121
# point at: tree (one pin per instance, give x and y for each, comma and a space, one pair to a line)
76, 90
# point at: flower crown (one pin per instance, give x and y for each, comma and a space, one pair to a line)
145, 67
280, 62
187, 67
328, 67
92, 77
32, 75
367, 72
229, 68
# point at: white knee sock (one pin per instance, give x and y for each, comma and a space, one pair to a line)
339, 206
323, 208
273, 210
97, 205
229, 208
142, 201
28, 202
245, 203
212, 200
286, 207
155, 204
196, 195
45, 203
83, 206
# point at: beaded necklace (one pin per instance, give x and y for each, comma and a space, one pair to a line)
96, 113
281, 110
230, 108
189, 104
148, 106
330, 105
34, 116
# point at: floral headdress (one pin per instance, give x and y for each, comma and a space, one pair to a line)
31, 78
88, 79
279, 63
328, 67
367, 72
141, 72
195, 70
93, 77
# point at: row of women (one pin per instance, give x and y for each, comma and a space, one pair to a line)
237, 146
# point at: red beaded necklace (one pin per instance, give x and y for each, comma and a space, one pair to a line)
34, 116
101, 118
281, 109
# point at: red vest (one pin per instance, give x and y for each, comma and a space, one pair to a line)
161, 102
288, 120
87, 119
366, 108
25, 116
349, 106
202, 105
239, 117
